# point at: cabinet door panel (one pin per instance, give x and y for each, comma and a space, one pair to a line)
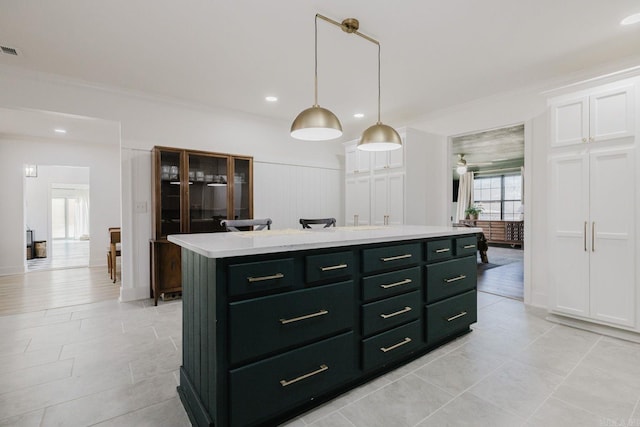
568, 245
357, 201
395, 199
570, 122
207, 193
611, 114
612, 187
379, 199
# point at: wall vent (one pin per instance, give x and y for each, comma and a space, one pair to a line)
9, 50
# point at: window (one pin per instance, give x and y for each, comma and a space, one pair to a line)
500, 196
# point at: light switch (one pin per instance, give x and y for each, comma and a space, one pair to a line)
141, 207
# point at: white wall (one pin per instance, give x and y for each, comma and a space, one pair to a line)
148, 121
104, 195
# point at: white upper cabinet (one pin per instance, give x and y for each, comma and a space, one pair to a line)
388, 159
356, 161
600, 116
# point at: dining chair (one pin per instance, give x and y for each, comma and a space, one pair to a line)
327, 222
113, 251
257, 224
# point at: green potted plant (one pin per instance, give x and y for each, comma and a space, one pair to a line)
473, 211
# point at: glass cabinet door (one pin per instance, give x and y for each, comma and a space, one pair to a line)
241, 189
170, 206
208, 193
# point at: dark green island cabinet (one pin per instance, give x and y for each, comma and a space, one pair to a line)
277, 322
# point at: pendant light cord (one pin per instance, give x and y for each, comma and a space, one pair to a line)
379, 90
315, 76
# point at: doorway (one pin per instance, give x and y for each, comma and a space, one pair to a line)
58, 212
488, 192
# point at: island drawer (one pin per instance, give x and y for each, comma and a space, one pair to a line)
466, 245
450, 316
389, 257
388, 284
329, 266
263, 389
448, 278
260, 276
381, 315
438, 250
389, 346
266, 324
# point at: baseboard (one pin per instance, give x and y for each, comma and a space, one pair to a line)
595, 327
9, 271
133, 294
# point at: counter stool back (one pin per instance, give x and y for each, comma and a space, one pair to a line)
257, 224
327, 222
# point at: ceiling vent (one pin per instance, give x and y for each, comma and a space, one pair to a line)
9, 50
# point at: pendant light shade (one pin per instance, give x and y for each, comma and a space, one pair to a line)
316, 124
380, 137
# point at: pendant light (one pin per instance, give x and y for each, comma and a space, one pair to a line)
316, 123
462, 165
379, 137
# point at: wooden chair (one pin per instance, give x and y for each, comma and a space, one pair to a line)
328, 222
113, 251
257, 224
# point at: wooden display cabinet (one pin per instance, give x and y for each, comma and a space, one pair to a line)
192, 192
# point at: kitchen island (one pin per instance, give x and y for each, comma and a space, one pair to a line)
277, 322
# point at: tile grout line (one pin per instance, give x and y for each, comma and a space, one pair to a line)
504, 362
563, 381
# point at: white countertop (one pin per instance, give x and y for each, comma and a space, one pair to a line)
224, 245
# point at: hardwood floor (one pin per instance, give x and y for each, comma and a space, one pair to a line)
62, 254
504, 275
41, 290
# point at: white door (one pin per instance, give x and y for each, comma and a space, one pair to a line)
569, 230
395, 198
379, 194
350, 160
363, 159
357, 201
396, 157
612, 192
611, 114
570, 122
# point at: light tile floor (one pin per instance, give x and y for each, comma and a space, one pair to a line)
112, 364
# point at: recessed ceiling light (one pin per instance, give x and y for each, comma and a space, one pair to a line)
499, 160
631, 19
271, 98
60, 130
358, 115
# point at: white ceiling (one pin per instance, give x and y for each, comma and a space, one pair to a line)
232, 54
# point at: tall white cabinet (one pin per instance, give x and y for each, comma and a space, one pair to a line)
592, 192
405, 186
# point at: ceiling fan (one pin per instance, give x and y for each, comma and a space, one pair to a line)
462, 165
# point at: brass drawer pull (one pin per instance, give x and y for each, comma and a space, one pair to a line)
396, 313
455, 279
334, 267
305, 317
457, 316
393, 258
400, 283
323, 368
262, 278
468, 246
407, 340
439, 251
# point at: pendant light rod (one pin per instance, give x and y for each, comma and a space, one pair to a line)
349, 25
